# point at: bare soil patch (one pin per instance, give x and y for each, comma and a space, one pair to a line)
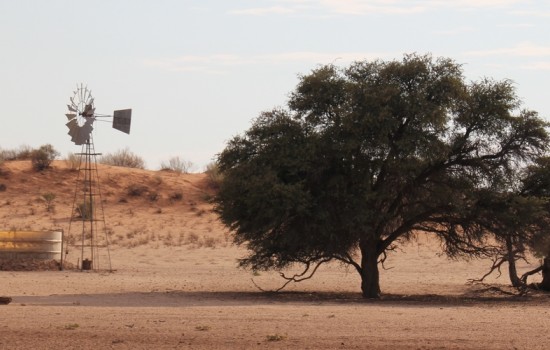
175, 284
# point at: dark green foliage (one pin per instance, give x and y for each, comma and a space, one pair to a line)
367, 155
42, 157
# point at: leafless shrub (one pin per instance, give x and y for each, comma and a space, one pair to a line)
153, 196
22, 153
192, 238
275, 337
72, 161
176, 196
210, 242
177, 165
123, 158
48, 199
136, 190
168, 239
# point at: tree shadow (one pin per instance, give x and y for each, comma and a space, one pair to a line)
475, 296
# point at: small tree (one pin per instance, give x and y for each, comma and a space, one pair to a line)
42, 157
368, 155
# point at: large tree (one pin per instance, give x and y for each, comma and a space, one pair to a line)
517, 213
367, 155
536, 185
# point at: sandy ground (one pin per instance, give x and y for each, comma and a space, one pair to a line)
175, 285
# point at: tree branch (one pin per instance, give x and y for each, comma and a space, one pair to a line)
297, 277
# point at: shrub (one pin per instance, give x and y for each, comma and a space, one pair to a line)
136, 190
178, 165
214, 175
48, 199
123, 158
153, 196
42, 157
73, 161
85, 210
25, 152
22, 153
176, 196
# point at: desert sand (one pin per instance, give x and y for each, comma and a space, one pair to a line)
175, 283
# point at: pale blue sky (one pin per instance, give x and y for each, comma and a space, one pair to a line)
196, 73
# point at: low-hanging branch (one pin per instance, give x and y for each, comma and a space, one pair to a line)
297, 277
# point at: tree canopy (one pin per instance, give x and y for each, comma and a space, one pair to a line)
367, 155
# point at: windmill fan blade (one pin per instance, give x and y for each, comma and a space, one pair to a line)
70, 116
73, 129
80, 134
122, 120
85, 131
71, 108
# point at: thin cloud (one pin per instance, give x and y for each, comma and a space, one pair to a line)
542, 14
362, 7
456, 31
472, 3
537, 66
220, 63
357, 7
260, 11
523, 50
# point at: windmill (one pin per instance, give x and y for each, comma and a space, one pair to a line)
88, 204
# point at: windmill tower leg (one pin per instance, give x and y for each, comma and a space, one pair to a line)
93, 240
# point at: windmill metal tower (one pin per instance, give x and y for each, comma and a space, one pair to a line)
87, 207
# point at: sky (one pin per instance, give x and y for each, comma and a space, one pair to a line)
197, 73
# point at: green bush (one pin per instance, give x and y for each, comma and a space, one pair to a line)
123, 158
42, 157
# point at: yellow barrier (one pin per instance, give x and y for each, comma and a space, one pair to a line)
31, 244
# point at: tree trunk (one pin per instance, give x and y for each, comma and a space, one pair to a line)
370, 278
545, 284
512, 271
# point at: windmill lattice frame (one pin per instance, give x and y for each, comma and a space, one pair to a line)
88, 203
